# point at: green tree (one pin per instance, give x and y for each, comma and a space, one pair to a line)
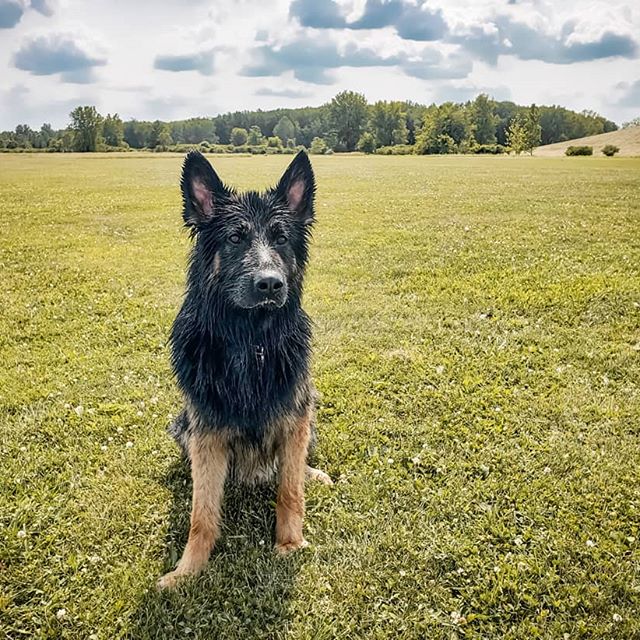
86, 124
388, 123
113, 130
136, 133
532, 128
484, 120
367, 143
285, 129
164, 139
445, 129
255, 137
159, 135
347, 117
517, 135
47, 133
239, 136
318, 146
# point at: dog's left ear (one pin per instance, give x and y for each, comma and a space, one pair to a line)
297, 187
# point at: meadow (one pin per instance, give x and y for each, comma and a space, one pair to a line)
477, 347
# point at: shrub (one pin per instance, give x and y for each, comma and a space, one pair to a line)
318, 146
610, 150
579, 151
396, 150
239, 136
492, 149
367, 143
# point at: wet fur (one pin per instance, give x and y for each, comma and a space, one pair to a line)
242, 360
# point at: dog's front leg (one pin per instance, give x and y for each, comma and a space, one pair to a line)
290, 503
209, 459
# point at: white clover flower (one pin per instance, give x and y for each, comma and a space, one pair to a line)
61, 613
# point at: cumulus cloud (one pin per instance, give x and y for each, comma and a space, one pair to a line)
312, 60
319, 15
57, 53
10, 13
42, 6
504, 36
411, 21
202, 62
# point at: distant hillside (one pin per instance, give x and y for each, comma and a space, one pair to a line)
627, 139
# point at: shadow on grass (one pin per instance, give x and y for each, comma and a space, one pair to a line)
245, 590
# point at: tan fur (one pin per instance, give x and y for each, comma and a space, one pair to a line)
209, 461
318, 475
213, 455
290, 502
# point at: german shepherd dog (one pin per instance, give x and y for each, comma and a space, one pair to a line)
241, 348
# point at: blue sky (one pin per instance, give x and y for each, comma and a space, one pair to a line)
151, 59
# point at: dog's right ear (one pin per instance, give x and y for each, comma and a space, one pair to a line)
202, 190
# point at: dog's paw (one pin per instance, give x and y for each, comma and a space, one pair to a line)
170, 580
319, 476
285, 548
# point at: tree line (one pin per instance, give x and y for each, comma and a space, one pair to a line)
347, 123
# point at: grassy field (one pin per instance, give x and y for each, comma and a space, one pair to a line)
478, 352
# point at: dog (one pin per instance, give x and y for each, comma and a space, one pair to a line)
240, 350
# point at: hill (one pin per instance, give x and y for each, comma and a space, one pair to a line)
627, 139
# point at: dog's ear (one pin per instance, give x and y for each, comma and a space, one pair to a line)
202, 190
297, 187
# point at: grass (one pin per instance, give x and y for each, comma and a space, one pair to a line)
477, 348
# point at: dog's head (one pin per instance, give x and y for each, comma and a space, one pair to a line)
250, 247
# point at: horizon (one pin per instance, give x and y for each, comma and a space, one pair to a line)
199, 60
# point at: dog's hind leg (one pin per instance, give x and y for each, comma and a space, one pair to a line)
318, 475
290, 501
310, 472
209, 461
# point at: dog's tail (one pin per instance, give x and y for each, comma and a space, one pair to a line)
178, 431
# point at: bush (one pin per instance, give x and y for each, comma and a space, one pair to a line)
610, 150
367, 143
396, 150
492, 149
579, 151
239, 136
318, 146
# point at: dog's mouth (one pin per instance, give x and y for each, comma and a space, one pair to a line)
269, 304
266, 305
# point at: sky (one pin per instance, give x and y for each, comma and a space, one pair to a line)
166, 60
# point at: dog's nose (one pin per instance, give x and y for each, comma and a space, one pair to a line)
268, 284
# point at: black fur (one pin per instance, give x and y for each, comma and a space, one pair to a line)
240, 355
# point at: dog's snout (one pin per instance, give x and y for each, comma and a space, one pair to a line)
268, 284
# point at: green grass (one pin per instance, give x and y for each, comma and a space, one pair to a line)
477, 346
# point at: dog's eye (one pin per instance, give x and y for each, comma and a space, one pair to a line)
234, 238
281, 240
